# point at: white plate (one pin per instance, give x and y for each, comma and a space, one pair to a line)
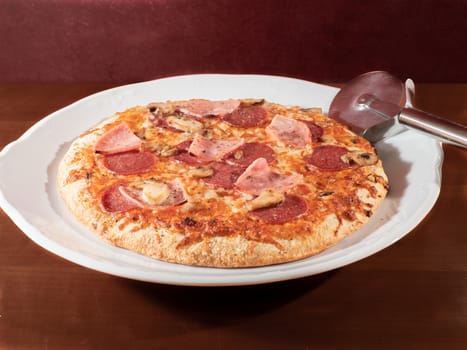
28, 192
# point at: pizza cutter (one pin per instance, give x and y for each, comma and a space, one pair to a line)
377, 105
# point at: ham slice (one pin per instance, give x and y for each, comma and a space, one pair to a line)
204, 108
289, 131
210, 150
259, 177
117, 140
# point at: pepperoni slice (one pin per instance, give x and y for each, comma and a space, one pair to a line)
328, 157
189, 159
225, 175
184, 146
247, 117
291, 208
249, 152
112, 200
129, 163
316, 130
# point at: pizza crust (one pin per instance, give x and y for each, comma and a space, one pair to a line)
226, 251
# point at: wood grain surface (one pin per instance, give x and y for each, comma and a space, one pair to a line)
412, 295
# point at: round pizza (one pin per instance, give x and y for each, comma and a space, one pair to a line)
232, 183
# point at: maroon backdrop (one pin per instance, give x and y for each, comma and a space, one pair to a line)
319, 40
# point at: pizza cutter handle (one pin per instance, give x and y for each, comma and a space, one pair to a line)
447, 131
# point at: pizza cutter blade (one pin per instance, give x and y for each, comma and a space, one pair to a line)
377, 106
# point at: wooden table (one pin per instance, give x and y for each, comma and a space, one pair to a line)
412, 295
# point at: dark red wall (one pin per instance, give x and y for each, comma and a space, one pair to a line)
319, 40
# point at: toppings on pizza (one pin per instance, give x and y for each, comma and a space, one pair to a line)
201, 171
247, 117
128, 163
189, 159
113, 201
328, 157
249, 152
209, 149
183, 124
224, 175
359, 158
259, 177
316, 130
231, 183
153, 193
157, 120
118, 139
292, 207
289, 131
205, 108
333, 158
182, 155
267, 198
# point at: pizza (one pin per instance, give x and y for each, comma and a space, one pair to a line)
231, 183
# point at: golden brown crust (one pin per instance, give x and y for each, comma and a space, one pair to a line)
339, 202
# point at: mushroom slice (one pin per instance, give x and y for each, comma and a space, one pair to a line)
152, 193
360, 158
155, 192
252, 101
202, 171
188, 125
161, 150
267, 198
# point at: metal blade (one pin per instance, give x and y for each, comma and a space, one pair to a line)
386, 110
381, 131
